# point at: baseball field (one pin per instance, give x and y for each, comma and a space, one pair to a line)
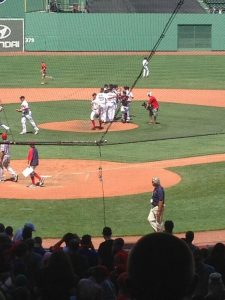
89, 184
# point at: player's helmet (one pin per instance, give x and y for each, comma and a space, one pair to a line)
4, 136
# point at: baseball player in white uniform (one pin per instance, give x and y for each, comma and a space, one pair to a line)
26, 115
95, 112
101, 98
130, 98
5, 160
145, 67
111, 104
1, 124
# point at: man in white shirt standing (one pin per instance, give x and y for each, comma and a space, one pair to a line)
145, 67
26, 115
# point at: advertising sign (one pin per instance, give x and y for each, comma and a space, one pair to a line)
11, 35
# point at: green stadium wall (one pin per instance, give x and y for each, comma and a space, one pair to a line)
105, 32
12, 9
113, 32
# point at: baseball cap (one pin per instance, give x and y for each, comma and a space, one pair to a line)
30, 225
4, 136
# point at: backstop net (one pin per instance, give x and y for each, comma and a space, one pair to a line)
121, 81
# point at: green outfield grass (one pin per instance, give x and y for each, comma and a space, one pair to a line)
191, 72
184, 131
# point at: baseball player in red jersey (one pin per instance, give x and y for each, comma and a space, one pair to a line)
33, 162
43, 72
153, 107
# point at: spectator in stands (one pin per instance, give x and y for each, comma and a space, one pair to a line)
120, 255
97, 286
19, 233
9, 232
75, 8
217, 259
105, 249
2, 227
161, 267
53, 6
79, 262
168, 226
87, 249
203, 271
216, 287
27, 233
38, 248
5, 254
64, 242
189, 238
57, 281
123, 287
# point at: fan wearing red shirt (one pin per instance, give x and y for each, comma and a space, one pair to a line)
153, 107
33, 162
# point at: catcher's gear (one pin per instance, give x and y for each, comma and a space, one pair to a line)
146, 106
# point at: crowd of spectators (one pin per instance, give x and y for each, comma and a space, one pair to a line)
159, 266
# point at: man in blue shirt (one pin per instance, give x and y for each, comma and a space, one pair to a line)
157, 202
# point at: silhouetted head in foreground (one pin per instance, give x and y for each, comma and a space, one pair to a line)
160, 267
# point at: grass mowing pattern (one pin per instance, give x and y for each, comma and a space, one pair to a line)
179, 72
195, 204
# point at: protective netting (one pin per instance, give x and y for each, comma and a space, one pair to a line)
87, 72
59, 86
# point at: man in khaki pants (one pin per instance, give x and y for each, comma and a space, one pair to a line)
157, 201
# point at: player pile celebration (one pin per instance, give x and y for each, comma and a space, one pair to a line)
107, 102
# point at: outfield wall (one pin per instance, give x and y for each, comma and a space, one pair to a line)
12, 9
114, 32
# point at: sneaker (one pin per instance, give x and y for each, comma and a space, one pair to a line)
41, 183
15, 178
36, 131
31, 186
22, 132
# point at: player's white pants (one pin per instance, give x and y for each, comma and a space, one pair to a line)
6, 166
103, 111
111, 110
30, 119
145, 72
4, 126
125, 111
94, 115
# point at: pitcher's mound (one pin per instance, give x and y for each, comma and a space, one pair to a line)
86, 126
